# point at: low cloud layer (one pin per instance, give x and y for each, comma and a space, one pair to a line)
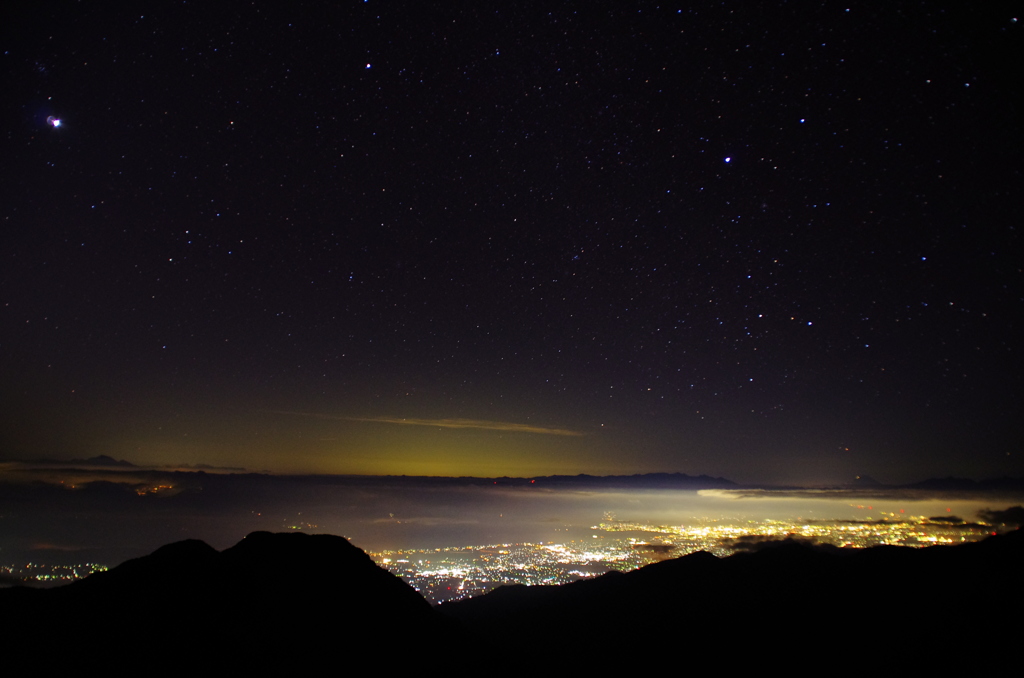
1014, 515
481, 424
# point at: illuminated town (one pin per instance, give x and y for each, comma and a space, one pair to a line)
40, 574
455, 573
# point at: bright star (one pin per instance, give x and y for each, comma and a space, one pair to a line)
53, 122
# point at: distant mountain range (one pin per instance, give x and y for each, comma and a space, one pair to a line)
300, 602
681, 481
102, 460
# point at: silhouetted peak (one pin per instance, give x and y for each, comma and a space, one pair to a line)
949, 483
185, 549
181, 562
322, 565
296, 544
244, 608
105, 460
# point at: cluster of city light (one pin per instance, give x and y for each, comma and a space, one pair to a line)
453, 573
39, 573
154, 489
568, 555
719, 538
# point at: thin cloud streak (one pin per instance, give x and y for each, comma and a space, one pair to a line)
481, 424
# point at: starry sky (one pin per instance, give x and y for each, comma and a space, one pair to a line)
773, 241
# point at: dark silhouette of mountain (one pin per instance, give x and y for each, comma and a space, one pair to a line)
865, 481
102, 460
105, 460
787, 603
271, 602
637, 481
640, 480
951, 484
1012, 515
307, 603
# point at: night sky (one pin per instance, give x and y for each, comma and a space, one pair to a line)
770, 241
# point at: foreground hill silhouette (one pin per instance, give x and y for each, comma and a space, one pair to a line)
271, 602
299, 602
781, 602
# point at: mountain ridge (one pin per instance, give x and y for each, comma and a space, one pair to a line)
290, 601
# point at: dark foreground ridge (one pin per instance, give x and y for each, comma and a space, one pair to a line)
294, 601
785, 602
271, 602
